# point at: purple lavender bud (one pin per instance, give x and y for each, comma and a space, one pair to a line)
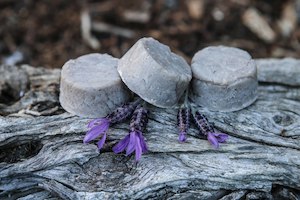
122, 144
134, 141
183, 122
202, 123
216, 138
139, 119
205, 128
124, 112
182, 137
213, 140
99, 127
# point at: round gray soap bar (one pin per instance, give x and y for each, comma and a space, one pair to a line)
224, 79
153, 72
91, 86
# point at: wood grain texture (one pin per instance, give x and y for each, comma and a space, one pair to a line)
42, 155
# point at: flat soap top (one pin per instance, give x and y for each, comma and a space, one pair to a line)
222, 65
92, 71
165, 58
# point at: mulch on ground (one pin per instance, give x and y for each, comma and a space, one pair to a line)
48, 33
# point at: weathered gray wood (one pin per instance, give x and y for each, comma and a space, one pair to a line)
283, 71
263, 151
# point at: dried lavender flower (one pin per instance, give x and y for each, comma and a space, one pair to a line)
135, 141
183, 122
205, 128
99, 127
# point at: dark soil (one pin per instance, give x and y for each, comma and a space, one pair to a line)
48, 32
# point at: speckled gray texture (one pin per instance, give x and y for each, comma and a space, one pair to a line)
224, 79
14, 83
284, 71
91, 86
153, 72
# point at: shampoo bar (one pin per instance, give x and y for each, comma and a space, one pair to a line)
153, 72
91, 86
224, 79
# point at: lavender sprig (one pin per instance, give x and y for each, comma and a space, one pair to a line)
205, 128
134, 141
98, 127
183, 122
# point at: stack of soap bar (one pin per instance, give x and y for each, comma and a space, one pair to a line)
91, 86
153, 72
224, 79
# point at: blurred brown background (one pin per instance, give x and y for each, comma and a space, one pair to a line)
49, 32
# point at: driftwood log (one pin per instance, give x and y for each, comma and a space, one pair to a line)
42, 155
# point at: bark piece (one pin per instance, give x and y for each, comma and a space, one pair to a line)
195, 8
258, 24
91, 86
14, 83
224, 79
284, 71
288, 21
153, 72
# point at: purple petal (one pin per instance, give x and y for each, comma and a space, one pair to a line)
132, 143
96, 122
95, 132
182, 137
101, 142
213, 140
221, 137
122, 144
143, 143
138, 150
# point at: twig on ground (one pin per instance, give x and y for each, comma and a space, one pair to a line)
103, 27
257, 23
86, 31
